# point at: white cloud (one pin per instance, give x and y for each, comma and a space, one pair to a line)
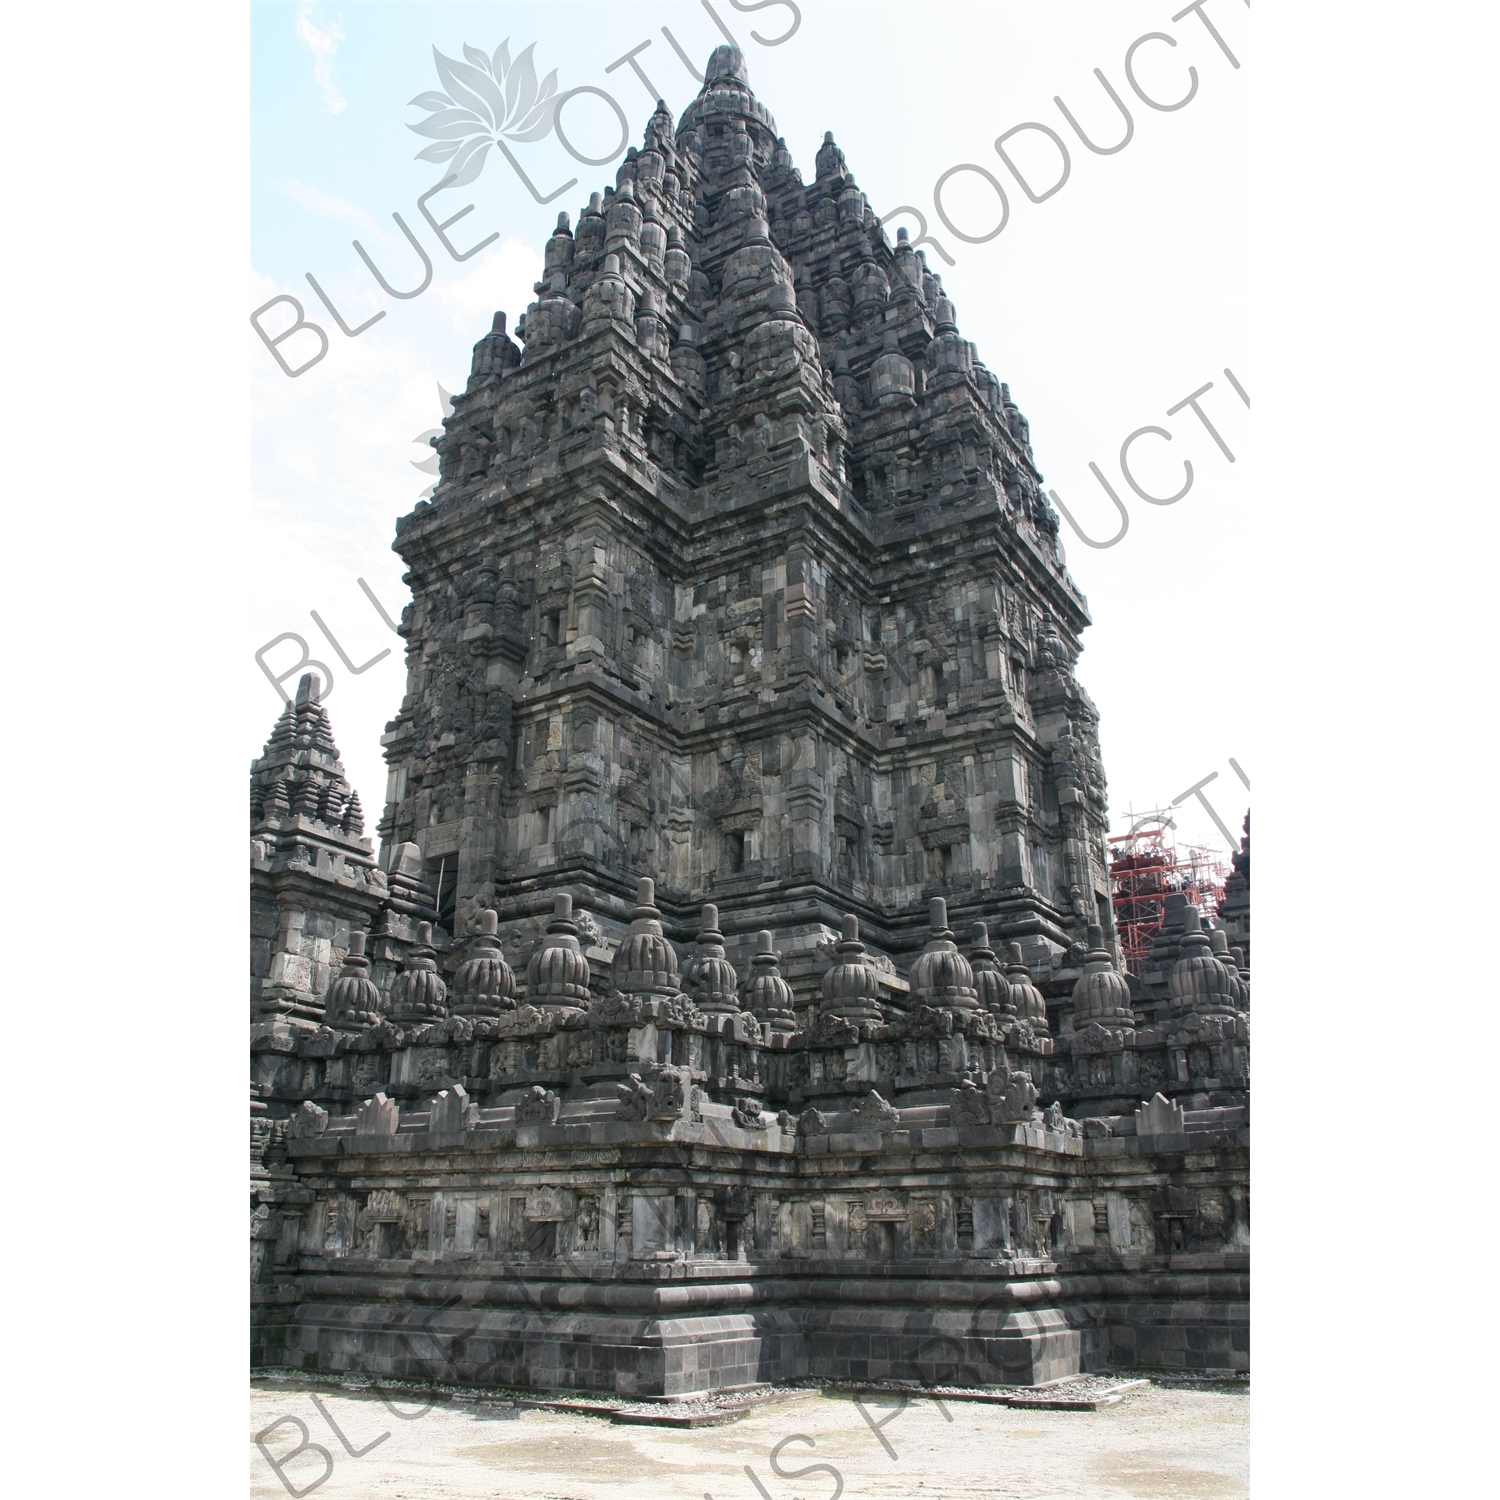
329, 205
332, 469
323, 43
502, 276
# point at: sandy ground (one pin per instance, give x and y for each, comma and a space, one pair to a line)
1156, 1443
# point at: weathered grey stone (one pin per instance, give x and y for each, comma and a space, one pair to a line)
1159, 1116
539, 1107
308, 1122
739, 635
377, 1116
451, 1112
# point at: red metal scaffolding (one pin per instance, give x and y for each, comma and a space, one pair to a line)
1146, 865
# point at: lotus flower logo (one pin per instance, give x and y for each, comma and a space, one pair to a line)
488, 97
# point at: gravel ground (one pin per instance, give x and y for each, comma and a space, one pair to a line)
1158, 1442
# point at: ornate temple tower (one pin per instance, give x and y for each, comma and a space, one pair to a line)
741, 801
739, 575
313, 877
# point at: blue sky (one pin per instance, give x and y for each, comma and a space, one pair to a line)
363, 153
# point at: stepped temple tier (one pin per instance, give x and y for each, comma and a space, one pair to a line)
734, 996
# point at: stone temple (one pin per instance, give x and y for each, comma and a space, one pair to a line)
734, 996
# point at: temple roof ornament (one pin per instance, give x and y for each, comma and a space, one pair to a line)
419, 993
941, 976
557, 978
851, 988
1102, 993
646, 962
353, 1001
484, 984
991, 987
1026, 998
710, 977
1199, 983
768, 997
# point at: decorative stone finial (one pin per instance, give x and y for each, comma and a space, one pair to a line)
645, 962
941, 976
713, 983
830, 160
726, 62
1101, 993
1200, 984
557, 978
851, 989
353, 1000
990, 986
484, 984
1026, 998
419, 993
1219, 943
768, 996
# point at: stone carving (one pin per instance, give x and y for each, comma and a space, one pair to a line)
645, 964
851, 990
768, 996
969, 1104
586, 1223
835, 1030
451, 1112
1159, 1116
353, 1000
377, 1116
419, 993
383, 1207
386, 1035
538, 1107
924, 1226
711, 979
557, 978
1101, 994
549, 1204
873, 1113
309, 1121
663, 1093
941, 977
484, 984
991, 988
930, 1022
1200, 983
1025, 1001
737, 587
1012, 1097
